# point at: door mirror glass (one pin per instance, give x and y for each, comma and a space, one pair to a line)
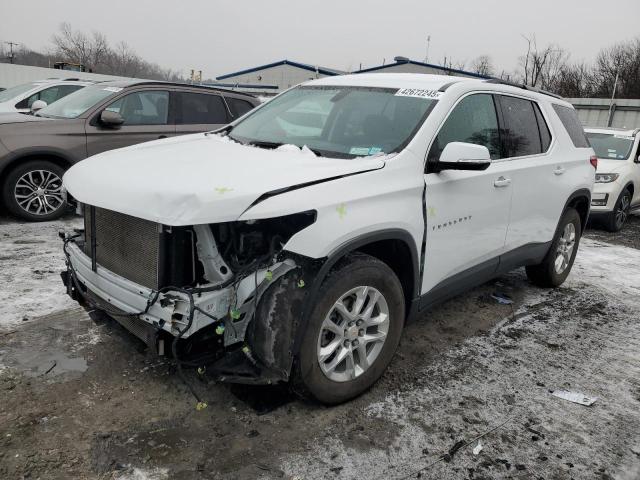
111, 119
464, 156
38, 105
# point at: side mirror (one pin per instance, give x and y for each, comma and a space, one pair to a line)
638, 159
111, 119
464, 156
38, 105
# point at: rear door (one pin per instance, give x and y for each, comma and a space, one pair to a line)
146, 115
467, 211
542, 172
199, 112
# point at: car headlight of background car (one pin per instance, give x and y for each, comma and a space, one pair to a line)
606, 177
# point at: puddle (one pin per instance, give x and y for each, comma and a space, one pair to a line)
35, 364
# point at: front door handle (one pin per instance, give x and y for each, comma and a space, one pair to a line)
502, 182
559, 170
162, 136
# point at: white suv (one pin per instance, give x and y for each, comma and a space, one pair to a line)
617, 188
20, 99
298, 240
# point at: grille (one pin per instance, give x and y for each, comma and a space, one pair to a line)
125, 245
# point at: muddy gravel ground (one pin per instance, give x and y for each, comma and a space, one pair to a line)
468, 396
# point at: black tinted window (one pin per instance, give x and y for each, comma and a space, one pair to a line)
196, 108
473, 120
238, 107
545, 135
571, 122
520, 133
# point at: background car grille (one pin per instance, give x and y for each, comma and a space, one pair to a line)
125, 245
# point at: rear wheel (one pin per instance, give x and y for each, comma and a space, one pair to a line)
616, 219
353, 331
557, 264
33, 191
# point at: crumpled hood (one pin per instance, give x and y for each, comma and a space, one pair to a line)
611, 166
196, 179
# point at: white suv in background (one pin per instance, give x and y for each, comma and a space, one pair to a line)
617, 189
295, 242
20, 99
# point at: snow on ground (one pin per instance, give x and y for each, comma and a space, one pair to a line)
570, 338
141, 474
31, 260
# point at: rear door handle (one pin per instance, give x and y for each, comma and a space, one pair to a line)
559, 170
502, 182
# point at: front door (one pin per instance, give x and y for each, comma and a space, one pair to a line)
146, 117
467, 212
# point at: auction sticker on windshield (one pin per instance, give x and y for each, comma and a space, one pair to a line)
418, 92
112, 89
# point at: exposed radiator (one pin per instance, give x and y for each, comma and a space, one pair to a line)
125, 245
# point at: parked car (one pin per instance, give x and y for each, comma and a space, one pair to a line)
617, 189
35, 150
297, 253
21, 98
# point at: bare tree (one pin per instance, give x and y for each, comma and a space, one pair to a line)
482, 66
78, 47
621, 60
539, 67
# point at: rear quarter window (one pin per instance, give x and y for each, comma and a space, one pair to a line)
572, 125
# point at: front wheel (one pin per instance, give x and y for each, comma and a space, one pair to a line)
33, 191
353, 330
616, 219
555, 267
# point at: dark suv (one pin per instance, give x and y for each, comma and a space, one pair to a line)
35, 150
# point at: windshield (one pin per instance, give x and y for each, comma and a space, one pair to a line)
614, 147
75, 104
13, 92
344, 122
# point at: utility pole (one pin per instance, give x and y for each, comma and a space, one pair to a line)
611, 104
11, 45
426, 58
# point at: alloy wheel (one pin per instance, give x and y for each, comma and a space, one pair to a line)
39, 192
623, 210
565, 248
353, 333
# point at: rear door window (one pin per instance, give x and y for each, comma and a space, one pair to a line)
238, 107
545, 134
520, 134
197, 108
571, 122
473, 120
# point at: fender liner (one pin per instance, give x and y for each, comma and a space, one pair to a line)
581, 193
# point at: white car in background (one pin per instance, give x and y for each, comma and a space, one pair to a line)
22, 97
617, 189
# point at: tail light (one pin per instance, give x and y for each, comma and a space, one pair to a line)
594, 161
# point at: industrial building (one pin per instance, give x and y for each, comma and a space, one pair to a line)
405, 65
273, 78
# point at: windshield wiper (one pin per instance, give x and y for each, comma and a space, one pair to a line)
264, 144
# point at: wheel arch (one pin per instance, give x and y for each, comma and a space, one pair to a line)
59, 158
580, 200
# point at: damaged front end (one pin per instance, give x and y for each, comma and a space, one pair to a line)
225, 295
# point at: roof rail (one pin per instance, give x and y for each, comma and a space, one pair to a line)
523, 86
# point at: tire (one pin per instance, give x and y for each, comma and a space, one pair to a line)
616, 219
553, 270
313, 377
25, 179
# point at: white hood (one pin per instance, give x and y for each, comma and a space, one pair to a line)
197, 179
606, 165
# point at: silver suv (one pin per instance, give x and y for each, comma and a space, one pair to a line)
36, 150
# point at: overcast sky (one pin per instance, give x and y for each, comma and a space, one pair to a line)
221, 37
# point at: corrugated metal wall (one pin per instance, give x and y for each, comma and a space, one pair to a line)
594, 112
11, 75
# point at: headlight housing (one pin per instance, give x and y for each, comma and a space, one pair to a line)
606, 177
